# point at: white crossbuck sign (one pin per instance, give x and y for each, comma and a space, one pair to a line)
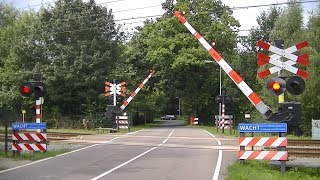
279, 65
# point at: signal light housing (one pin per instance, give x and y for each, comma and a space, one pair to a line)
40, 89
295, 85
26, 89
276, 86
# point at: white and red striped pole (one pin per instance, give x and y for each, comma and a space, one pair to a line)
38, 111
133, 94
246, 90
222, 115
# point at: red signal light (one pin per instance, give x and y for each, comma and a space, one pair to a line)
26, 89
276, 86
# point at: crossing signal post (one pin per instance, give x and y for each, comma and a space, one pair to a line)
223, 99
38, 90
114, 90
288, 112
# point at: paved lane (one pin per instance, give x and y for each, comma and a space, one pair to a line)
188, 154
159, 153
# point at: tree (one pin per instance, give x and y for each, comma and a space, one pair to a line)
178, 58
8, 15
15, 26
75, 45
310, 98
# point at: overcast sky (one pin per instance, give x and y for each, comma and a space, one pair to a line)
123, 14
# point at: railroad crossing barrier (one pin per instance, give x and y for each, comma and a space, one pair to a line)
29, 141
123, 122
280, 142
226, 123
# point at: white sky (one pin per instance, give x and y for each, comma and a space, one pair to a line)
246, 17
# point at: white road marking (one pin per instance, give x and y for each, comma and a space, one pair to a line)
219, 161
41, 160
129, 161
123, 164
17, 167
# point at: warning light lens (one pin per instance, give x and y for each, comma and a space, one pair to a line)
25, 89
276, 86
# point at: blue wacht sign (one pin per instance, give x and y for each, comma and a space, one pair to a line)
262, 127
24, 126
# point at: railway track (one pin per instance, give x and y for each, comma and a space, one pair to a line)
304, 148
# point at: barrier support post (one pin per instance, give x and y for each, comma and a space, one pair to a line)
282, 148
242, 148
217, 124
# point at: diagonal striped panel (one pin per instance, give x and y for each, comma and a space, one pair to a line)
264, 155
263, 141
29, 137
29, 147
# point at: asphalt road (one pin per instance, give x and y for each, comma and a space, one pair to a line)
170, 152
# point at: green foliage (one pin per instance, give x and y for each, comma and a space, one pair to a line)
253, 169
168, 47
74, 44
7, 14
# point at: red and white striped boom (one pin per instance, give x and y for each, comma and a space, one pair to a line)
246, 90
135, 92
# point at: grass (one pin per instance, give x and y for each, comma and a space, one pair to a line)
34, 156
253, 170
